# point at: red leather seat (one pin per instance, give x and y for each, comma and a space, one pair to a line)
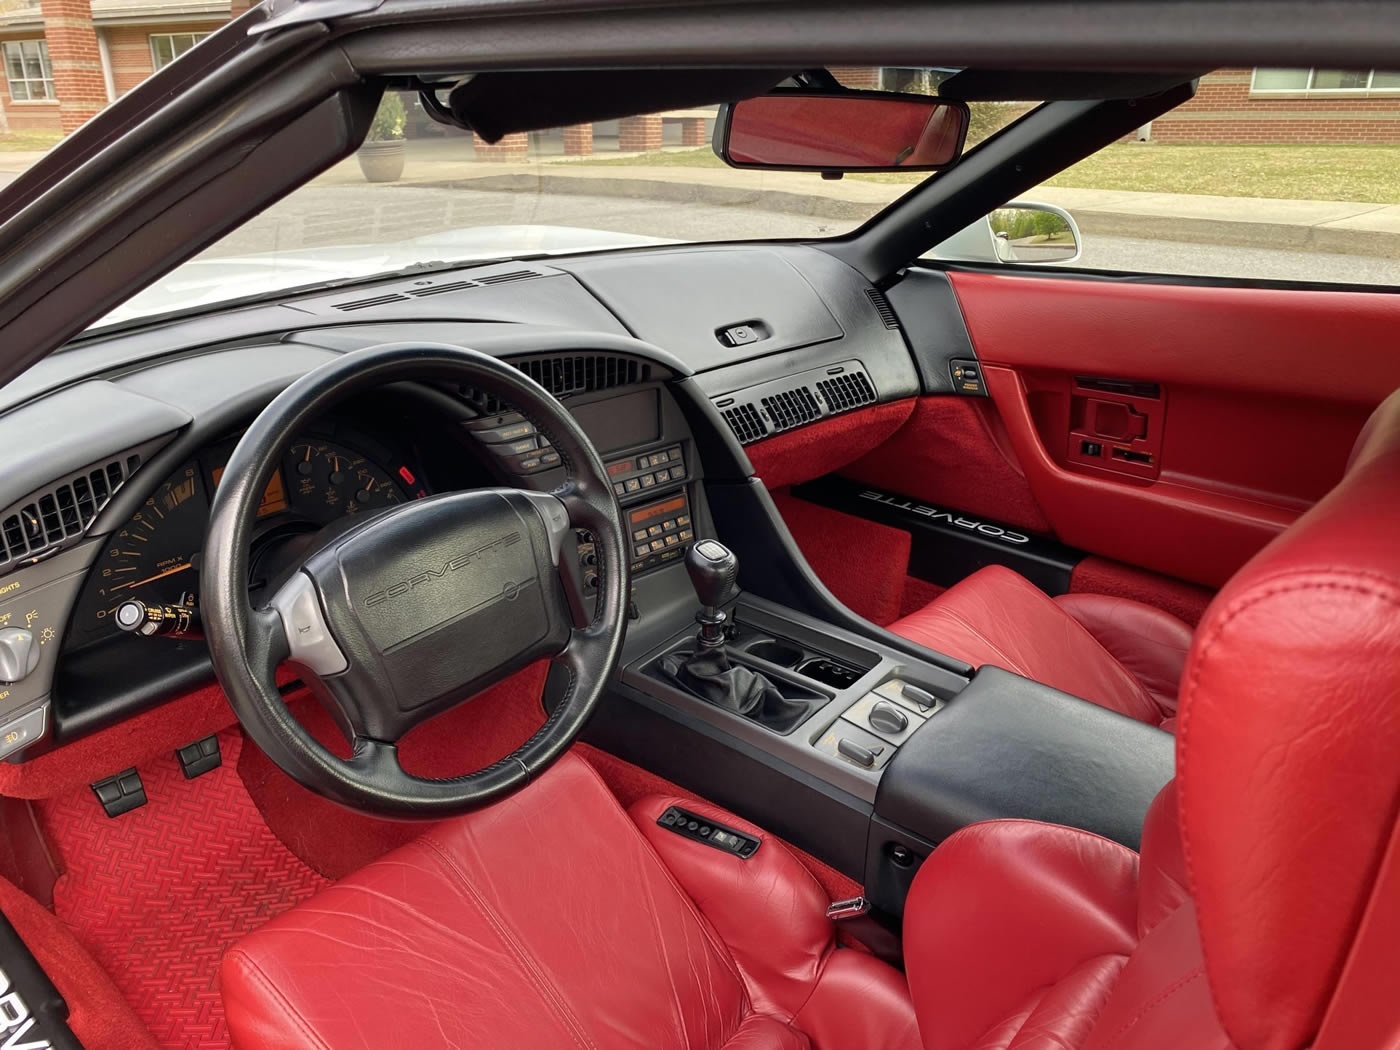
1119, 653
1264, 911
1262, 914
555, 919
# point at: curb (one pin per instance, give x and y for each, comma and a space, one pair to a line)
676, 192
1242, 234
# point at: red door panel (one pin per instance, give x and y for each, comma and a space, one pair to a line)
1211, 419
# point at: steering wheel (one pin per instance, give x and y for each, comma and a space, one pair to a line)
415, 609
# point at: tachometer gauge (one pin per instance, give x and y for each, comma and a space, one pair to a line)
326, 480
154, 557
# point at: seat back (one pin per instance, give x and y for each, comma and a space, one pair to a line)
1288, 752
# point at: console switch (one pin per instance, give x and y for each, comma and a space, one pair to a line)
702, 829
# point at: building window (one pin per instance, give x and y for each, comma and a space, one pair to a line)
28, 71
1323, 81
167, 47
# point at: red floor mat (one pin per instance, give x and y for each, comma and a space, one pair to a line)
160, 893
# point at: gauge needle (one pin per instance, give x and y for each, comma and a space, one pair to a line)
160, 575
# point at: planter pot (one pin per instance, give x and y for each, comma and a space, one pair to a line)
381, 161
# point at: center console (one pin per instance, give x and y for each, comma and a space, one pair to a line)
848, 741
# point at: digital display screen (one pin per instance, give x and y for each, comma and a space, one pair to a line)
621, 422
274, 497
657, 510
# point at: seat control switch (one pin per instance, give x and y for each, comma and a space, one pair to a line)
702, 829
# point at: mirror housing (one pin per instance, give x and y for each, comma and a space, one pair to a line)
841, 131
1020, 233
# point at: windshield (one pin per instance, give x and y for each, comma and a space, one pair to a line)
420, 194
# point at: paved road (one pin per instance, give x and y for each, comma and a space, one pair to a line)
319, 216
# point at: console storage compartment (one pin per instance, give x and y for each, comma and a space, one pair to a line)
1009, 747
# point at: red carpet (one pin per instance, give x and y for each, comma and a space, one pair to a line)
158, 894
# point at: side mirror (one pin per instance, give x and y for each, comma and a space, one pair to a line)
841, 131
1021, 233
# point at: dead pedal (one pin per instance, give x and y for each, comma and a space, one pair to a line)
200, 757
121, 792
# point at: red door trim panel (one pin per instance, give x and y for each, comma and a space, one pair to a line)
1327, 345
1194, 534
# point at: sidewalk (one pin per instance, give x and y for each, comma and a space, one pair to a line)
1252, 222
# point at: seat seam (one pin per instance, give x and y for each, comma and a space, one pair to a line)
251, 969
1151, 1005
552, 995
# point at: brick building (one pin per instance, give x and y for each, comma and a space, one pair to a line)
61, 61
1258, 106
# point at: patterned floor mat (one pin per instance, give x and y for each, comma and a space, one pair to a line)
160, 893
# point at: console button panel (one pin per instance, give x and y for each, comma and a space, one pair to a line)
636, 475
658, 533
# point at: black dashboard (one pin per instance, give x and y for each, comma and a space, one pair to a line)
670, 359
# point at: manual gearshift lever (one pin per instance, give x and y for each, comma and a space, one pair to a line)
713, 569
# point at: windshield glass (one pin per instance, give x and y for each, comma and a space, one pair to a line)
419, 193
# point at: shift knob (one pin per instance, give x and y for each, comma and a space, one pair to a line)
713, 568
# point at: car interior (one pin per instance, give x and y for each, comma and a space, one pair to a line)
740, 644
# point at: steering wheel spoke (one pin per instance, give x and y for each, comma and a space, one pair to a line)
409, 612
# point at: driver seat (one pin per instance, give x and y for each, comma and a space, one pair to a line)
556, 919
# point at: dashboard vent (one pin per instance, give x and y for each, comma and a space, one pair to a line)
371, 302
747, 424
791, 408
782, 404
510, 276
849, 390
440, 289
567, 374
63, 511
582, 373
882, 307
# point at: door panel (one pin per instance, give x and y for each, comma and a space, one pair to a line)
1178, 428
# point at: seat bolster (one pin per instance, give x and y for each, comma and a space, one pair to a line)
1150, 643
859, 1001
998, 617
1004, 908
768, 910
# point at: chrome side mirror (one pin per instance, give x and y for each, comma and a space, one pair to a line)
1018, 234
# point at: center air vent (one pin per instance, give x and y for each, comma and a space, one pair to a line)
565, 374
784, 404
61, 512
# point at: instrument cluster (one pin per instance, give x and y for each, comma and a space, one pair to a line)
146, 580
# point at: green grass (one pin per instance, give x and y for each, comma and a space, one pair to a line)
1327, 173
1369, 174
703, 157
30, 141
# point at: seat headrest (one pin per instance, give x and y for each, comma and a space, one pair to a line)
1288, 750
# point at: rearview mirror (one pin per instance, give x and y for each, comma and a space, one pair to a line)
846, 131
